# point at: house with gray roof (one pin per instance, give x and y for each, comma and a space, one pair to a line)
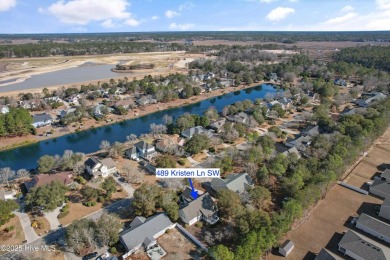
241, 117
286, 248
324, 254
217, 125
301, 143
4, 109
201, 208
188, 133
40, 120
386, 175
374, 227
143, 232
237, 182
360, 247
312, 130
380, 188
385, 209
141, 149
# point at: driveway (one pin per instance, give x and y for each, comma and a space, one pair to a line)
52, 218
192, 161
29, 232
126, 186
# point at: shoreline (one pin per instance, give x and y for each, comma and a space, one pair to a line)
89, 123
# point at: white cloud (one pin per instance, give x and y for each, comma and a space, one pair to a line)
341, 19
132, 22
293, 1
155, 17
186, 6
279, 13
182, 27
170, 14
383, 4
347, 9
5, 5
82, 12
108, 24
267, 1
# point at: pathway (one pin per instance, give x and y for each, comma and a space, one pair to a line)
126, 186
29, 232
52, 218
192, 161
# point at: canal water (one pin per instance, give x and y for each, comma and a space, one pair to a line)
89, 140
83, 73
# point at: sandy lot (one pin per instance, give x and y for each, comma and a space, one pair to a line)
14, 237
330, 218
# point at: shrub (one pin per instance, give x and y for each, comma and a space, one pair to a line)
81, 180
93, 203
212, 150
181, 161
113, 250
100, 199
199, 224
10, 228
63, 214
186, 225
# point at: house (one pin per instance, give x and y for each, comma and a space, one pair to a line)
4, 109
73, 98
241, 117
311, 131
380, 188
143, 232
292, 150
30, 104
96, 167
169, 143
286, 103
40, 120
52, 99
286, 248
7, 194
273, 103
144, 100
324, 254
201, 208
273, 76
360, 247
126, 103
217, 125
227, 83
353, 111
64, 113
237, 182
301, 143
208, 76
370, 98
188, 133
340, 82
98, 110
385, 209
386, 175
141, 150
65, 178
374, 227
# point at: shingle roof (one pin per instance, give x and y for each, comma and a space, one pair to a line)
326, 255
204, 204
287, 245
92, 162
238, 182
386, 174
312, 130
41, 118
362, 246
143, 146
43, 179
194, 130
108, 162
374, 224
135, 236
381, 186
386, 202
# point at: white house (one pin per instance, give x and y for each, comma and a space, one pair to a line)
42, 120
374, 227
7, 194
201, 208
286, 248
141, 150
96, 167
4, 109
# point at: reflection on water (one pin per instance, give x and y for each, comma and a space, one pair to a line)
89, 140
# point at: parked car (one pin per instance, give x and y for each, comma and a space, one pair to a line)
90, 256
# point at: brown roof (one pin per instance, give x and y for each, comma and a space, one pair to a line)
43, 179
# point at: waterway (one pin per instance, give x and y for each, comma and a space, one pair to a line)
83, 73
89, 140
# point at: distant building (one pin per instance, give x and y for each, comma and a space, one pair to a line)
144, 232
340, 82
188, 133
311, 131
7, 194
360, 247
273, 76
96, 167
286, 248
169, 143
217, 125
40, 120
4, 109
240, 117
141, 150
301, 143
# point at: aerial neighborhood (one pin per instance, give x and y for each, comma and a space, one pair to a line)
298, 134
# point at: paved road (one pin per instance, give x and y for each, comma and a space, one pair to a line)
58, 236
29, 232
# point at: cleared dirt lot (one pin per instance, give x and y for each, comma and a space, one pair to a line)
330, 218
177, 246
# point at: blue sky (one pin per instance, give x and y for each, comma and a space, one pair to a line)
72, 16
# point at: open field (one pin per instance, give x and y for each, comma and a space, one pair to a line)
329, 219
